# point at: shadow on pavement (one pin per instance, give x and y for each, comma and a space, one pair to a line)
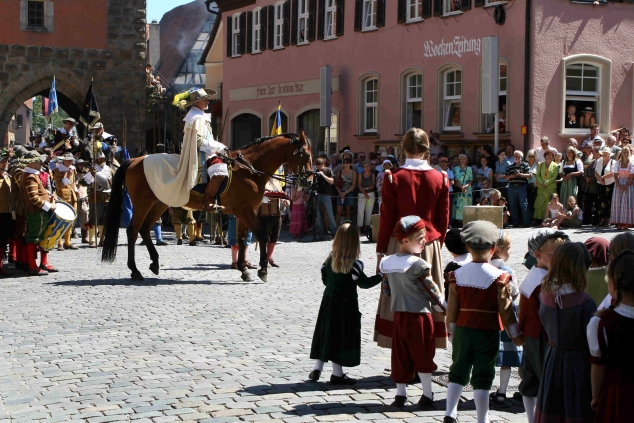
146, 282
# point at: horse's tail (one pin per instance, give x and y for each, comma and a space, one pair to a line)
113, 215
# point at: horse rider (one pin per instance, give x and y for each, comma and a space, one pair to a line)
198, 134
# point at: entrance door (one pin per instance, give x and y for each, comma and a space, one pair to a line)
309, 123
246, 128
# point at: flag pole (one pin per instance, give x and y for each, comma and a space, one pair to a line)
94, 194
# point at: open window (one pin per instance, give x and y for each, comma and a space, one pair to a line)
302, 22
331, 14
412, 83
586, 92
369, 15
487, 124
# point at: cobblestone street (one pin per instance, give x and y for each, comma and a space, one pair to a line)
195, 343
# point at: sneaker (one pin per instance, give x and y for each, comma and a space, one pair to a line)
314, 375
341, 380
160, 242
399, 401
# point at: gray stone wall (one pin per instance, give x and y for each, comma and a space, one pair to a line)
118, 72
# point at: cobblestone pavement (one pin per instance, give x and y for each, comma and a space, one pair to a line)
195, 344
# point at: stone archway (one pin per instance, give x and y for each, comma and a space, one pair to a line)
69, 96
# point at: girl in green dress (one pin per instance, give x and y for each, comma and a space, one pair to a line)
337, 336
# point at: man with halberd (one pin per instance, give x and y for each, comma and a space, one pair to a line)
66, 189
83, 202
105, 142
100, 178
7, 213
38, 205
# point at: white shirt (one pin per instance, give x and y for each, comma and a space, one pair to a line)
539, 154
209, 145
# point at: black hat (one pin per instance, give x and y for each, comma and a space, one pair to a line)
454, 243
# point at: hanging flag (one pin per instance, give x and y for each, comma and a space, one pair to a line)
90, 112
45, 106
52, 100
277, 124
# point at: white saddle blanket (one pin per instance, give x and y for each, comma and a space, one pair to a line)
171, 176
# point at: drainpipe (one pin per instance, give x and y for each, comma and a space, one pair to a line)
527, 69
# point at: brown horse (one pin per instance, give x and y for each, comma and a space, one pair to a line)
242, 199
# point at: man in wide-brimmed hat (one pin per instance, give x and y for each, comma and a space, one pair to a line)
170, 181
68, 132
38, 203
65, 187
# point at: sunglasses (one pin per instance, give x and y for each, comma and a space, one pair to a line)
444, 161
347, 161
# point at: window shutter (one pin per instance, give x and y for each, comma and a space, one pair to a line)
294, 22
263, 27
312, 11
437, 7
271, 13
243, 33
339, 17
426, 12
229, 35
358, 11
466, 5
479, 3
286, 30
321, 17
401, 11
250, 31
380, 13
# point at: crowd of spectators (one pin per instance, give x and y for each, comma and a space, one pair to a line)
591, 179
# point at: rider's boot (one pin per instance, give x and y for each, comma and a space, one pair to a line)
211, 190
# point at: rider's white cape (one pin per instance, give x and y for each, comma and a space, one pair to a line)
171, 176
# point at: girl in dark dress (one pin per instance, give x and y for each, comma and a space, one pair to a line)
610, 335
565, 391
337, 336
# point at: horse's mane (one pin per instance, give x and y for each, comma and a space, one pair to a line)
258, 141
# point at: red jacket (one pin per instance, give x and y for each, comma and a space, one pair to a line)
422, 193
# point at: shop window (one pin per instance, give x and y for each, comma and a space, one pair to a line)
370, 105
488, 119
331, 14
235, 35
369, 15
255, 31
413, 104
302, 22
452, 100
279, 26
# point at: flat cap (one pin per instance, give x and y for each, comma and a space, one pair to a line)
480, 234
407, 226
540, 237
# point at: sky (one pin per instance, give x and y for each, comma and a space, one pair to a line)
157, 8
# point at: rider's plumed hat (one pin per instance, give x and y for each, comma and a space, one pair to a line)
190, 97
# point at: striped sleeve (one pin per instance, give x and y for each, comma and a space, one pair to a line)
32, 192
357, 270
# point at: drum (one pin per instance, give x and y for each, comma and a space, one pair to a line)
62, 220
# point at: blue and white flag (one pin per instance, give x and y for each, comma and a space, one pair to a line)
52, 100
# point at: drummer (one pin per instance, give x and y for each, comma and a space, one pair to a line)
66, 189
38, 205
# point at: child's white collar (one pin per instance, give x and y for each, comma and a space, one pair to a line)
416, 164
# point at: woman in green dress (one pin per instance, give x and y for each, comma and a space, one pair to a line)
547, 173
570, 169
462, 194
337, 336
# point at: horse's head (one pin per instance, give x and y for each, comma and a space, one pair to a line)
301, 158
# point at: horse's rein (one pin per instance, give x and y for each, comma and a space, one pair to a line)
243, 163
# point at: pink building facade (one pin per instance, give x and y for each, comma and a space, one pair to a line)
398, 64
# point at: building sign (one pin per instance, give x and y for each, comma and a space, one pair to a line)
281, 89
457, 47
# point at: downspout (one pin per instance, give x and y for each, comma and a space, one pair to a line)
527, 69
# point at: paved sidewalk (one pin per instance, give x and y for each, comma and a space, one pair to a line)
194, 344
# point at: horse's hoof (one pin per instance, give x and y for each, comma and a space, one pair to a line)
246, 277
262, 275
137, 276
154, 267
